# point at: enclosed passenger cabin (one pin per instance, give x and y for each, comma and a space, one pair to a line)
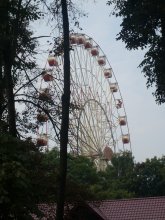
52, 61
101, 61
88, 44
41, 117
47, 75
108, 73
45, 95
125, 138
80, 39
114, 87
42, 140
73, 39
122, 120
95, 51
119, 103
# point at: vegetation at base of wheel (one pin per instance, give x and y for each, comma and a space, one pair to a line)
143, 26
29, 176
20, 161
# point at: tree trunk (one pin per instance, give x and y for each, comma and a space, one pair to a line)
9, 88
1, 86
65, 115
6, 51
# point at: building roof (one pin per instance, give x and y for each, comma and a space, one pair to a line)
149, 208
131, 209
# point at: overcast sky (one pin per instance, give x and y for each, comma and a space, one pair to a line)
146, 119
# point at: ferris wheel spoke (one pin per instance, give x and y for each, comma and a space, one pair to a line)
92, 128
84, 79
83, 128
90, 139
91, 134
86, 139
78, 76
94, 114
85, 144
87, 147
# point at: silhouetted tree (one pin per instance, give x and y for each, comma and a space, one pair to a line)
143, 26
65, 114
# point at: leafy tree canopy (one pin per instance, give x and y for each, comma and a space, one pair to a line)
143, 26
18, 161
30, 176
149, 178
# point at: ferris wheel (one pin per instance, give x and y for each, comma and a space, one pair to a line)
98, 122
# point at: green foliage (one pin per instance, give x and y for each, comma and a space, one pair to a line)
45, 179
123, 178
114, 183
81, 170
81, 174
143, 26
122, 164
29, 177
150, 178
17, 159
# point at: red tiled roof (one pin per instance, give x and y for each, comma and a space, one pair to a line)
151, 208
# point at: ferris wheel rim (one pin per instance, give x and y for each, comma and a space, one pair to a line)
89, 37
109, 82
82, 70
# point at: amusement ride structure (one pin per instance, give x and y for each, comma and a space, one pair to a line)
98, 122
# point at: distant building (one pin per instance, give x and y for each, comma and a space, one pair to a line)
151, 208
